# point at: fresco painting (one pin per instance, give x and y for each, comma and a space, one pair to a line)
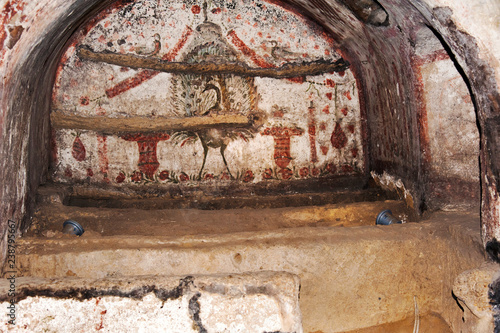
159, 92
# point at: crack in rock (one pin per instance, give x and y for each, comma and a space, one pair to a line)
194, 311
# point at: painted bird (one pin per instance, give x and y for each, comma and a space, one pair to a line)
157, 47
281, 53
215, 137
209, 95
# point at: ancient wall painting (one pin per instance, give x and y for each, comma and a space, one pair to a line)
187, 92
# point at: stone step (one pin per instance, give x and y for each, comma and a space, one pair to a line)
350, 277
253, 302
49, 218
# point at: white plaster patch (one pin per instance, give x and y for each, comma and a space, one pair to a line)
238, 303
106, 314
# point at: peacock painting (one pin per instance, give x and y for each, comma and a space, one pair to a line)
209, 95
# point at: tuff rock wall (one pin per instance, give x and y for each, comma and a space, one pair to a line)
426, 73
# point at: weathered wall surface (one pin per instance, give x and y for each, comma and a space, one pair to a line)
450, 124
34, 33
400, 116
470, 30
381, 59
23, 121
258, 302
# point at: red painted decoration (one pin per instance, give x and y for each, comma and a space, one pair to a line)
330, 83
195, 9
102, 153
304, 172
120, 178
286, 173
78, 149
267, 174
164, 175
148, 162
84, 100
254, 57
324, 149
312, 134
338, 138
281, 137
248, 177
330, 167
136, 176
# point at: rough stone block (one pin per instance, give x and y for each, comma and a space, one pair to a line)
251, 302
471, 289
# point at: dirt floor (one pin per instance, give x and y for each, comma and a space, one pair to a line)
430, 323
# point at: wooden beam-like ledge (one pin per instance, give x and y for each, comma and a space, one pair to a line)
109, 125
207, 68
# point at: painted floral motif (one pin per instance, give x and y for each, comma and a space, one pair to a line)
330, 167
183, 177
164, 175
286, 173
120, 178
195, 9
225, 176
136, 176
248, 177
267, 174
84, 100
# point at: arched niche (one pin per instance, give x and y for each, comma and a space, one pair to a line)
167, 93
